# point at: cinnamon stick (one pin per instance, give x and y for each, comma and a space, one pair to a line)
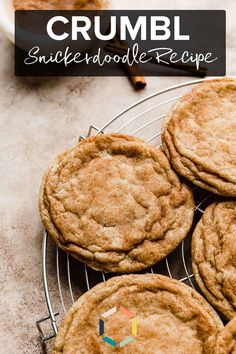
133, 72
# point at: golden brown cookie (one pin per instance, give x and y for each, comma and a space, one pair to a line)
157, 314
226, 340
114, 203
199, 136
214, 256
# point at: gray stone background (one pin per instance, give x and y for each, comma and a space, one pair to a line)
40, 118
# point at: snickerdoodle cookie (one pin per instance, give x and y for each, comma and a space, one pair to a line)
199, 136
226, 340
152, 314
214, 256
115, 203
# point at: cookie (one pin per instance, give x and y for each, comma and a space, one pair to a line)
159, 315
199, 136
226, 340
114, 202
214, 256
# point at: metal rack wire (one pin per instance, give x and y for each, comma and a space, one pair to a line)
143, 119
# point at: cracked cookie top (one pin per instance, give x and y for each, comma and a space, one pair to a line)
170, 317
226, 340
199, 136
214, 256
114, 202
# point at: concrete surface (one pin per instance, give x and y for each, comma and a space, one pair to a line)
40, 118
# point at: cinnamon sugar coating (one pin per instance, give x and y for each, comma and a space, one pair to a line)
214, 256
171, 318
199, 136
115, 203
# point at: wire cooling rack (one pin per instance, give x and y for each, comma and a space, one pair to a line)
143, 119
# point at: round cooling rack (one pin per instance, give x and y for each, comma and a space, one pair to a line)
143, 119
